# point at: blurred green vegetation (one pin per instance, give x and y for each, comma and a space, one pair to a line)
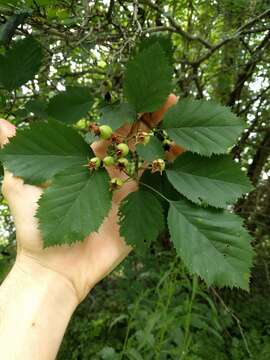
144, 311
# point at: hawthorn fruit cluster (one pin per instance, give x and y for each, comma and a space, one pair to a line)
119, 151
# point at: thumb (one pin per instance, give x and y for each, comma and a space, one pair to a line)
157, 116
7, 130
153, 119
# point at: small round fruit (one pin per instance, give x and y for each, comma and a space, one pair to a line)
122, 163
116, 183
131, 168
122, 149
94, 163
158, 165
143, 137
105, 132
167, 144
108, 161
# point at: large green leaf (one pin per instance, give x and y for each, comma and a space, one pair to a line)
20, 63
141, 218
38, 153
74, 205
71, 105
202, 126
151, 151
37, 107
117, 115
158, 183
212, 243
217, 181
164, 41
148, 79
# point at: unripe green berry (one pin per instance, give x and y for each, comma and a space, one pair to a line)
122, 163
143, 137
105, 132
130, 169
167, 144
122, 149
94, 163
116, 183
108, 161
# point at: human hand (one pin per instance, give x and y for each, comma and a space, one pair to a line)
84, 263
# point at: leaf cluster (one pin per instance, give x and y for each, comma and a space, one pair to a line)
204, 181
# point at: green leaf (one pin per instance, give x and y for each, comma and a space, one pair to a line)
38, 153
161, 184
20, 63
117, 115
37, 107
212, 243
151, 151
90, 138
164, 41
141, 218
148, 79
202, 126
71, 105
74, 205
217, 181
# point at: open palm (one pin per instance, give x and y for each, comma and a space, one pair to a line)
84, 263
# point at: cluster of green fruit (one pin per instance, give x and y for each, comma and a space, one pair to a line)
117, 155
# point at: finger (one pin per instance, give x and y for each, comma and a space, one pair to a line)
157, 116
174, 151
153, 119
7, 130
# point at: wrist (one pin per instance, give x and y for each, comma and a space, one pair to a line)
38, 303
44, 280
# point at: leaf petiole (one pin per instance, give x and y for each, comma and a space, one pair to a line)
157, 192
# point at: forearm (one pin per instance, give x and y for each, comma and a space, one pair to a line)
35, 307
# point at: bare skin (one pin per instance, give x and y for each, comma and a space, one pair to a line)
44, 286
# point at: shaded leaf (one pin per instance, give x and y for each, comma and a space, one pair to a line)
217, 181
37, 107
38, 153
164, 41
20, 63
74, 205
117, 115
90, 138
151, 151
148, 79
202, 126
161, 184
71, 105
141, 218
212, 243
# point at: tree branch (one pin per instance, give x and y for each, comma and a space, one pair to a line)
178, 28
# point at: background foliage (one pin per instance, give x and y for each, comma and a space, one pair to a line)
221, 52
